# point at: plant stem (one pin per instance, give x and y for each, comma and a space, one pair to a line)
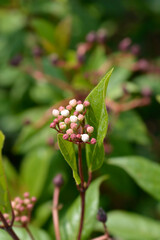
8, 228
82, 191
55, 212
29, 232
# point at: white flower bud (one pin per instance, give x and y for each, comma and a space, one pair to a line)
65, 112
73, 119
85, 137
73, 102
79, 107
55, 112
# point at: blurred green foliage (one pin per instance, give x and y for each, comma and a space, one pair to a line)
45, 60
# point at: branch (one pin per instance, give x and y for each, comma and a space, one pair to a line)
55, 212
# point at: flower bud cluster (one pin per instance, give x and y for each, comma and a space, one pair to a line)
22, 208
70, 121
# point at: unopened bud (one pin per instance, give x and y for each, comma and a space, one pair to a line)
73, 119
74, 125
101, 215
24, 219
55, 112
61, 108
65, 136
93, 141
86, 103
76, 113
73, 136
58, 180
80, 117
79, 107
52, 125
65, 112
85, 137
67, 120
69, 107
90, 129
91, 37
69, 131
73, 102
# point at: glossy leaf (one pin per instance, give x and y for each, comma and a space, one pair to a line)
34, 170
144, 172
131, 226
22, 234
4, 198
70, 221
68, 152
98, 118
133, 126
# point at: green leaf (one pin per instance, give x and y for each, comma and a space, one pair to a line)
68, 152
22, 234
98, 118
133, 126
4, 198
71, 220
62, 35
144, 172
34, 170
131, 226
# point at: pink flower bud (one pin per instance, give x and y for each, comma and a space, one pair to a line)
62, 125
13, 204
24, 219
69, 107
67, 120
52, 125
73, 136
17, 199
6, 215
61, 108
73, 102
69, 131
76, 113
26, 194
17, 219
56, 121
93, 141
86, 103
90, 129
78, 136
33, 199
74, 125
65, 136
86, 126
80, 117
60, 117
27, 201
21, 209
30, 206
79, 102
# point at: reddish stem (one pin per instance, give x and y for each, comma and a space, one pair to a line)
55, 212
8, 228
82, 191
